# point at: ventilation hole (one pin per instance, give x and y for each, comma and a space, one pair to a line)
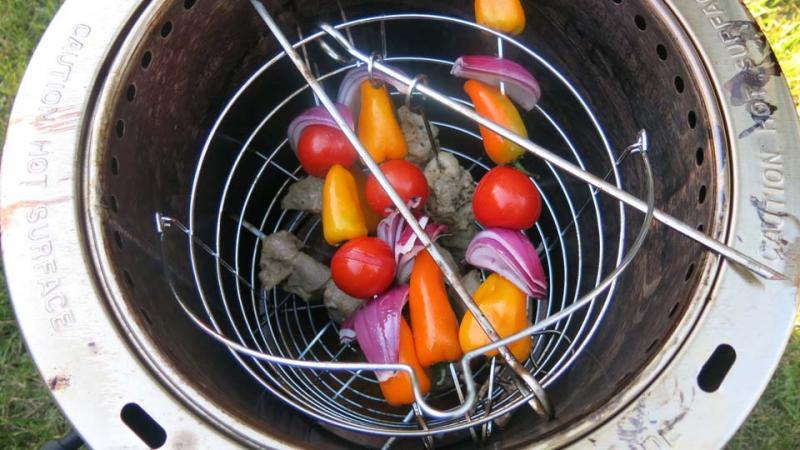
679, 85
128, 279
166, 29
701, 228
651, 346
716, 368
701, 196
674, 309
640, 22
699, 156
662, 52
188, 4
689, 272
147, 58
131, 93
692, 119
114, 204
141, 423
120, 128
118, 239
115, 166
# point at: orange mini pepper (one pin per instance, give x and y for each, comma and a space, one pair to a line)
505, 16
342, 215
493, 105
433, 321
378, 129
505, 306
372, 218
398, 390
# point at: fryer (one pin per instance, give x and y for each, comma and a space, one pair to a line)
147, 157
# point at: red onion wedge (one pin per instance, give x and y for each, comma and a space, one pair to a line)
510, 254
350, 89
317, 115
396, 232
376, 326
521, 86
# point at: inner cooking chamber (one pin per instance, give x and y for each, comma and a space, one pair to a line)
626, 73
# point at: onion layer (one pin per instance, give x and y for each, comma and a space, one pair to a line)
510, 254
376, 326
521, 86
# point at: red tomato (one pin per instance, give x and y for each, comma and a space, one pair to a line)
320, 147
507, 198
364, 267
406, 178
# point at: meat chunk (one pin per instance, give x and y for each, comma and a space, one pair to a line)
278, 251
340, 305
308, 278
304, 194
471, 281
457, 240
282, 260
420, 149
452, 189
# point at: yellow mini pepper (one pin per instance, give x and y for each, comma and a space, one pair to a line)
342, 216
505, 16
505, 306
378, 129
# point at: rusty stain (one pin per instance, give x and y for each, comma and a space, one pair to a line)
7, 213
58, 382
63, 120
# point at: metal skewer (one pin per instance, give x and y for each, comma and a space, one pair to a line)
619, 194
527, 384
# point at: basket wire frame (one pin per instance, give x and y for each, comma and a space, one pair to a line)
295, 372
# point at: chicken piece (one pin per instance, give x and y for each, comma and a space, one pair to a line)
420, 150
340, 305
471, 281
278, 251
457, 240
452, 189
308, 278
304, 195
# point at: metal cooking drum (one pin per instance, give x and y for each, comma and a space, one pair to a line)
147, 157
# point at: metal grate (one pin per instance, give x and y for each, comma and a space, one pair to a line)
291, 347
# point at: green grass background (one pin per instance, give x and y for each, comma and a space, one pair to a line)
28, 416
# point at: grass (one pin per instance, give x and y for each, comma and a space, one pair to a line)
775, 421
28, 416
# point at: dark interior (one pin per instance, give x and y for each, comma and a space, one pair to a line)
182, 74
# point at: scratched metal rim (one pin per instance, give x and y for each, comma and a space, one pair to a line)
729, 295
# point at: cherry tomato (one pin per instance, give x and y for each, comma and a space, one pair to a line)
364, 267
406, 178
507, 198
320, 147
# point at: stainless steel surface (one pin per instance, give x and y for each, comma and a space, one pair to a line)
104, 344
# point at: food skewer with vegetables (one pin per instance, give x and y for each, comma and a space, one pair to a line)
365, 287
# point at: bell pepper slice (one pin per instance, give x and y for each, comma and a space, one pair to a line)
398, 390
505, 306
492, 104
342, 215
433, 321
505, 16
378, 129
